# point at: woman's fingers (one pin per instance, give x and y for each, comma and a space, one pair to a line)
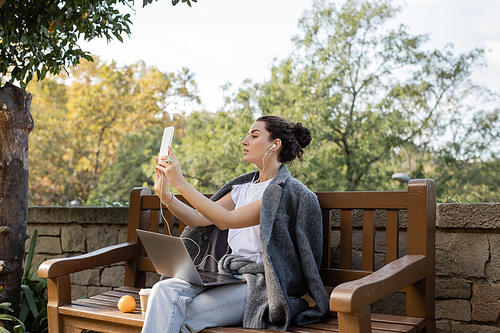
169, 167
162, 159
165, 159
171, 153
160, 174
158, 171
161, 169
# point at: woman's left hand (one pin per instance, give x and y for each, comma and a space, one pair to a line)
171, 167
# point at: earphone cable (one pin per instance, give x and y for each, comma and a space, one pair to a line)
197, 245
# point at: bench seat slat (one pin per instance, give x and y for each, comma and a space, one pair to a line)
419, 323
75, 324
386, 322
399, 328
304, 329
390, 327
234, 329
90, 305
102, 302
318, 327
103, 314
127, 289
91, 302
106, 298
114, 293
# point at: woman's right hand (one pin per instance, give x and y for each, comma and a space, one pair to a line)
161, 184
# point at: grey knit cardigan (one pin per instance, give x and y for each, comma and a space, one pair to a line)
292, 244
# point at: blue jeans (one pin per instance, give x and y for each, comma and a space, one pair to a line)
177, 306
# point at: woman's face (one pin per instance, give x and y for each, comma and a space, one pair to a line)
256, 144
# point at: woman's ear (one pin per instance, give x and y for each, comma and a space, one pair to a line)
277, 144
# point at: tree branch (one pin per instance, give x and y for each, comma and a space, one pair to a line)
361, 174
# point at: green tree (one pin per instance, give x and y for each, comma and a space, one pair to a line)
208, 146
132, 166
38, 38
49, 146
211, 149
364, 89
468, 165
83, 121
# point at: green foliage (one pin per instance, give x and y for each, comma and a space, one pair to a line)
174, 2
376, 102
448, 199
4, 307
211, 151
100, 202
366, 91
208, 146
133, 165
336, 83
82, 125
40, 38
476, 181
33, 310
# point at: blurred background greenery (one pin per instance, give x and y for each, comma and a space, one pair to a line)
377, 100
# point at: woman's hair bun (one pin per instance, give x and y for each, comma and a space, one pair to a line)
294, 137
303, 134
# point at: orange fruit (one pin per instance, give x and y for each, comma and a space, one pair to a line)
126, 303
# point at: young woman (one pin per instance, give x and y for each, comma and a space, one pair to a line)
272, 224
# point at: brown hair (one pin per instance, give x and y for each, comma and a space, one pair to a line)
294, 137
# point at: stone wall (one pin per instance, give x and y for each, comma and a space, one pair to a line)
467, 257
468, 267
67, 232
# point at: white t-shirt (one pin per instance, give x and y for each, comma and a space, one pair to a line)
245, 242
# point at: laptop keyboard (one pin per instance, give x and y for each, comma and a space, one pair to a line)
208, 279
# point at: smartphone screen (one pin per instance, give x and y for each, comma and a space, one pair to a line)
168, 135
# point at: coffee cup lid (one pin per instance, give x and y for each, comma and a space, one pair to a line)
146, 291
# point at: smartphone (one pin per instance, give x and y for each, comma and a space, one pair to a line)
168, 135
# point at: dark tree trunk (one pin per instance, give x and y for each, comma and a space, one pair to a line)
15, 125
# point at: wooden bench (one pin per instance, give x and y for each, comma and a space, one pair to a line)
354, 290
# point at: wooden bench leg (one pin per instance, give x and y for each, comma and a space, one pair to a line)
355, 322
59, 292
420, 304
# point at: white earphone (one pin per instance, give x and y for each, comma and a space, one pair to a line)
270, 150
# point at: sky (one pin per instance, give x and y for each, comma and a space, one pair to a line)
228, 41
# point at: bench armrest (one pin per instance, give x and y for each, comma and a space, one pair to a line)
354, 296
106, 256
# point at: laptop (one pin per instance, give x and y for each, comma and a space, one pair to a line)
171, 258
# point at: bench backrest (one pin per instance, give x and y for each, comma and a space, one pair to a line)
419, 202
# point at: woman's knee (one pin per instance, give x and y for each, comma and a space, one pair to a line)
171, 283
176, 288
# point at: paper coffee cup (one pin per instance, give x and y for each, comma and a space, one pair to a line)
144, 296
